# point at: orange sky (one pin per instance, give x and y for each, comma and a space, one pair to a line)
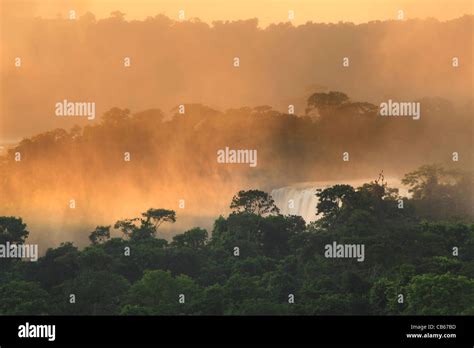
267, 11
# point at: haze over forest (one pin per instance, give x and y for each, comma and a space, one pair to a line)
175, 62
191, 63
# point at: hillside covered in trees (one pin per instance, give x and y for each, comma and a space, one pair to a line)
176, 62
419, 258
173, 159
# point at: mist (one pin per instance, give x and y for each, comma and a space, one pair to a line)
191, 63
173, 63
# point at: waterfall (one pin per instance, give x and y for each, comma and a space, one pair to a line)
304, 201
300, 199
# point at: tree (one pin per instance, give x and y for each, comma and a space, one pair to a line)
152, 219
19, 297
195, 239
96, 293
56, 266
149, 223
158, 216
239, 288
158, 293
127, 226
329, 304
327, 99
12, 230
115, 117
254, 202
446, 294
331, 200
325, 102
95, 258
383, 297
363, 108
276, 232
425, 182
238, 230
441, 193
100, 234
213, 302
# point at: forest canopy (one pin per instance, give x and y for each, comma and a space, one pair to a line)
419, 259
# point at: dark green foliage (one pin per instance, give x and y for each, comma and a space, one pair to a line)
445, 294
145, 227
12, 230
327, 100
254, 202
96, 293
441, 193
57, 266
23, 298
425, 259
100, 234
194, 239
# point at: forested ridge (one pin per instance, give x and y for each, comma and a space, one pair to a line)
257, 261
174, 159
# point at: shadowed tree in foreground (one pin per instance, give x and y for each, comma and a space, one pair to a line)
254, 202
145, 227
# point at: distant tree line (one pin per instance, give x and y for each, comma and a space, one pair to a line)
91, 161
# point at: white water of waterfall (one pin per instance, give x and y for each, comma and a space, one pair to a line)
300, 199
296, 201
